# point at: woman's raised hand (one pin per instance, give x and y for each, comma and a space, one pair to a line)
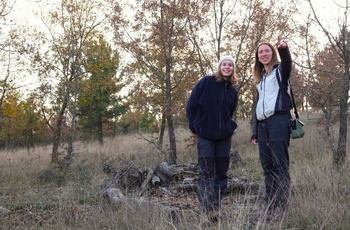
281, 44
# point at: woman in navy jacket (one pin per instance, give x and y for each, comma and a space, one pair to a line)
271, 129
209, 112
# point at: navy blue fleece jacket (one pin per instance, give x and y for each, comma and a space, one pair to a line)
210, 109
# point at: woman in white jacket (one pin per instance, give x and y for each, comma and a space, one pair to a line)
271, 129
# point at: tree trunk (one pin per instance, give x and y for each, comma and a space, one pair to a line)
329, 130
172, 140
100, 130
170, 122
72, 134
343, 120
58, 131
161, 132
71, 137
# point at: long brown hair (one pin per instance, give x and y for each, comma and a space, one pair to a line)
233, 78
259, 69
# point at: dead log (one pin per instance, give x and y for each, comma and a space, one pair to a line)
165, 173
191, 167
146, 181
4, 211
155, 181
168, 212
185, 188
188, 180
242, 185
128, 176
185, 170
114, 195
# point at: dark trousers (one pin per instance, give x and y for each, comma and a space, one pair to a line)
214, 161
273, 140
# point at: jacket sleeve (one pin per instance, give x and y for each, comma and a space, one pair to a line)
235, 101
286, 64
255, 129
192, 105
255, 125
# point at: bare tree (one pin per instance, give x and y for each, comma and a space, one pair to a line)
58, 61
236, 28
339, 43
158, 42
6, 52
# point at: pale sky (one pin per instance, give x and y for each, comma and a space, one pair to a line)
327, 10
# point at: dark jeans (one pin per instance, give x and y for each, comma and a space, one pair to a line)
273, 140
214, 161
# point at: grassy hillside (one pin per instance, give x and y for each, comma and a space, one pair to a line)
40, 198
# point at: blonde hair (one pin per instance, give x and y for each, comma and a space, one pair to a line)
259, 69
233, 78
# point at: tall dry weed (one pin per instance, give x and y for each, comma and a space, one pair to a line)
319, 197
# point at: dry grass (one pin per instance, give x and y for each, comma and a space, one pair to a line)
40, 198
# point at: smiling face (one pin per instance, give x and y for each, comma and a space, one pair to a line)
226, 69
265, 54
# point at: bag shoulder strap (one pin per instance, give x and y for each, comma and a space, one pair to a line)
284, 88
